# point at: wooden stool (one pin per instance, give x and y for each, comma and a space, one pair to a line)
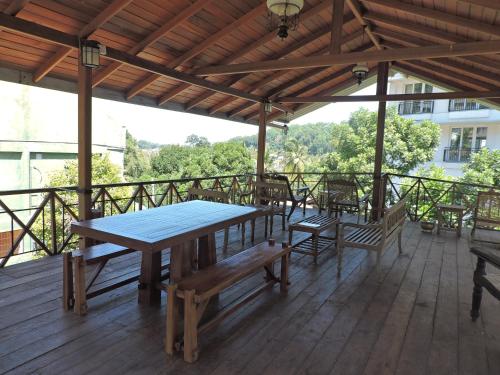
451, 208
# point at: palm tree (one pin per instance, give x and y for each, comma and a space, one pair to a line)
295, 156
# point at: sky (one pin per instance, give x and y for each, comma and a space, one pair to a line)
164, 126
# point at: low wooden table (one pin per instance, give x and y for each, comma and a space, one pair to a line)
452, 209
316, 243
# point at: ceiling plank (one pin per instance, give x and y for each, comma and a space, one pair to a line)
47, 34
199, 48
457, 49
438, 16
249, 48
492, 4
391, 97
152, 38
15, 7
104, 16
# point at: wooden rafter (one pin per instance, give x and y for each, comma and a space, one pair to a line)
457, 49
199, 48
15, 7
358, 12
336, 26
152, 38
492, 4
50, 35
392, 97
313, 37
109, 12
242, 52
438, 16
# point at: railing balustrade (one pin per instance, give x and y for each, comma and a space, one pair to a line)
458, 155
38, 220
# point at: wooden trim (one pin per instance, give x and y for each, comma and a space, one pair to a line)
392, 97
109, 12
156, 35
412, 53
437, 15
336, 27
199, 48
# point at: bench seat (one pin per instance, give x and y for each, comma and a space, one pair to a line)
197, 290
97, 253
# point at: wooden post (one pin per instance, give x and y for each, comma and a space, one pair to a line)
337, 22
382, 76
261, 144
84, 145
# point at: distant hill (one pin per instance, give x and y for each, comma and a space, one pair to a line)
316, 137
146, 145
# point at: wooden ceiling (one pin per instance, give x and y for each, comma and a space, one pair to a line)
192, 35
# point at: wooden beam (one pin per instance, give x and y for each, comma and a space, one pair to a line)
102, 74
492, 4
377, 199
392, 97
200, 47
84, 145
103, 17
457, 49
15, 7
261, 141
358, 12
311, 13
439, 16
337, 23
37, 31
259, 84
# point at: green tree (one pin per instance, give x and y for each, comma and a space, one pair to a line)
406, 143
136, 161
194, 140
483, 168
295, 156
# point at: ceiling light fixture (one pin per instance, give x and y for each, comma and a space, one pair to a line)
287, 12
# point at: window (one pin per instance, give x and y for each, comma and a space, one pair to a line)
464, 142
416, 106
481, 137
464, 105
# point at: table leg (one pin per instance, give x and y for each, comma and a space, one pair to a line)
149, 294
459, 225
207, 252
181, 260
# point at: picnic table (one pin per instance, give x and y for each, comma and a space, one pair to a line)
182, 227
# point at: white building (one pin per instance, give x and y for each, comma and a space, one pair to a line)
466, 125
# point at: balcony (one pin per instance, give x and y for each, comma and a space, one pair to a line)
416, 107
458, 155
457, 105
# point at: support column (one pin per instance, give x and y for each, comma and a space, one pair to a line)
377, 200
84, 145
261, 143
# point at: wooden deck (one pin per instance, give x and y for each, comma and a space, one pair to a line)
416, 321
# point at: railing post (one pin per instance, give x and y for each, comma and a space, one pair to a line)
140, 195
53, 222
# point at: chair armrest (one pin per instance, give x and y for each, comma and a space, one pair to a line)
304, 190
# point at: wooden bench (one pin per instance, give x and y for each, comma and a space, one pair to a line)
196, 291
374, 236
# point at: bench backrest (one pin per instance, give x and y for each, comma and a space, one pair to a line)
347, 190
394, 217
487, 212
208, 195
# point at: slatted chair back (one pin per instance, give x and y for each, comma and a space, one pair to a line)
279, 179
276, 193
487, 212
347, 191
394, 218
208, 195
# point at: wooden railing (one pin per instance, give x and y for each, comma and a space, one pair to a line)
38, 220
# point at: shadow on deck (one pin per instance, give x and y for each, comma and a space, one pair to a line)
415, 321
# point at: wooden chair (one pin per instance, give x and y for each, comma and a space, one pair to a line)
343, 194
197, 290
297, 198
274, 197
374, 236
486, 219
212, 196
486, 253
76, 292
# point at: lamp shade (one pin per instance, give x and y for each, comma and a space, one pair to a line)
284, 8
90, 52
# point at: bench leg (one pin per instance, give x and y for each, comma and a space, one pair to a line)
252, 230
190, 327
284, 273
80, 286
243, 233
271, 224
315, 247
171, 319
226, 239
477, 292
340, 248
68, 297
400, 234
266, 225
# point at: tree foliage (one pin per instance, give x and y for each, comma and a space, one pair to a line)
483, 168
194, 140
136, 161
